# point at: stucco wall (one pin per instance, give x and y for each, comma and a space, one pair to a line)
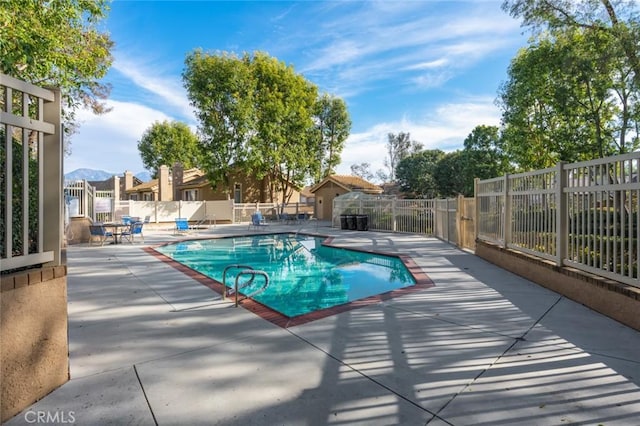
616, 300
253, 191
78, 230
34, 354
327, 193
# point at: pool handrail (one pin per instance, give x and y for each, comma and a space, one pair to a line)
253, 273
224, 276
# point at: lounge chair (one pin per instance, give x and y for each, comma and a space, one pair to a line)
100, 234
134, 230
182, 226
257, 221
287, 218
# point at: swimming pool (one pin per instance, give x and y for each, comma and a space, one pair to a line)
305, 275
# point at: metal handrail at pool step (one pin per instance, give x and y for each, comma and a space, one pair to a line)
245, 270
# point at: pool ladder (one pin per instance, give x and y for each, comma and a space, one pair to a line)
245, 270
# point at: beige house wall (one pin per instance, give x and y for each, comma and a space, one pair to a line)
324, 199
252, 191
34, 354
78, 230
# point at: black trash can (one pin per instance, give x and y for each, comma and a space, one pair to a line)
362, 222
343, 222
351, 222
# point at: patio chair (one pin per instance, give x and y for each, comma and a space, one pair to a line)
134, 230
182, 226
257, 221
99, 233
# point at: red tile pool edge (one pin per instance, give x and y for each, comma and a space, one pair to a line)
422, 281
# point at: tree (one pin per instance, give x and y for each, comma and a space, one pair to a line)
255, 112
58, 44
483, 157
362, 170
332, 126
449, 175
415, 173
221, 88
398, 147
617, 20
165, 143
282, 149
568, 98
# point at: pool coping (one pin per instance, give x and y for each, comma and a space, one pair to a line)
422, 281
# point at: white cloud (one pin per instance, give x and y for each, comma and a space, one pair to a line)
446, 128
437, 63
169, 89
110, 142
377, 42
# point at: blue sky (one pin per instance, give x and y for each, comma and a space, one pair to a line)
429, 68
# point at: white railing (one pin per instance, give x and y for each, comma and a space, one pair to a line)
584, 215
389, 214
79, 199
447, 219
242, 211
206, 212
31, 162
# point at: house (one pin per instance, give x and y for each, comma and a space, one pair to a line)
307, 197
193, 185
118, 185
160, 189
335, 185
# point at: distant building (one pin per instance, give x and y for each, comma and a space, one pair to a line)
179, 184
118, 185
160, 189
335, 185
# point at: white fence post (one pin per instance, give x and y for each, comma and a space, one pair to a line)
53, 220
393, 215
506, 220
562, 233
476, 212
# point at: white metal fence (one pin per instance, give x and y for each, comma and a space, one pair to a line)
83, 200
583, 215
388, 214
438, 217
30, 175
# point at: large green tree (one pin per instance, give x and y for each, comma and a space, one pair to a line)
449, 175
618, 20
332, 126
415, 173
165, 143
58, 43
569, 97
483, 156
221, 88
255, 112
282, 148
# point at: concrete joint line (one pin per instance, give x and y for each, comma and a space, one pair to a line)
155, 421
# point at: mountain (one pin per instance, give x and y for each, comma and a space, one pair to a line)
144, 176
88, 174
96, 175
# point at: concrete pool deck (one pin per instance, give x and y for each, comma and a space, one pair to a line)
149, 345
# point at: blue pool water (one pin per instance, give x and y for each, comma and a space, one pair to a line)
304, 275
